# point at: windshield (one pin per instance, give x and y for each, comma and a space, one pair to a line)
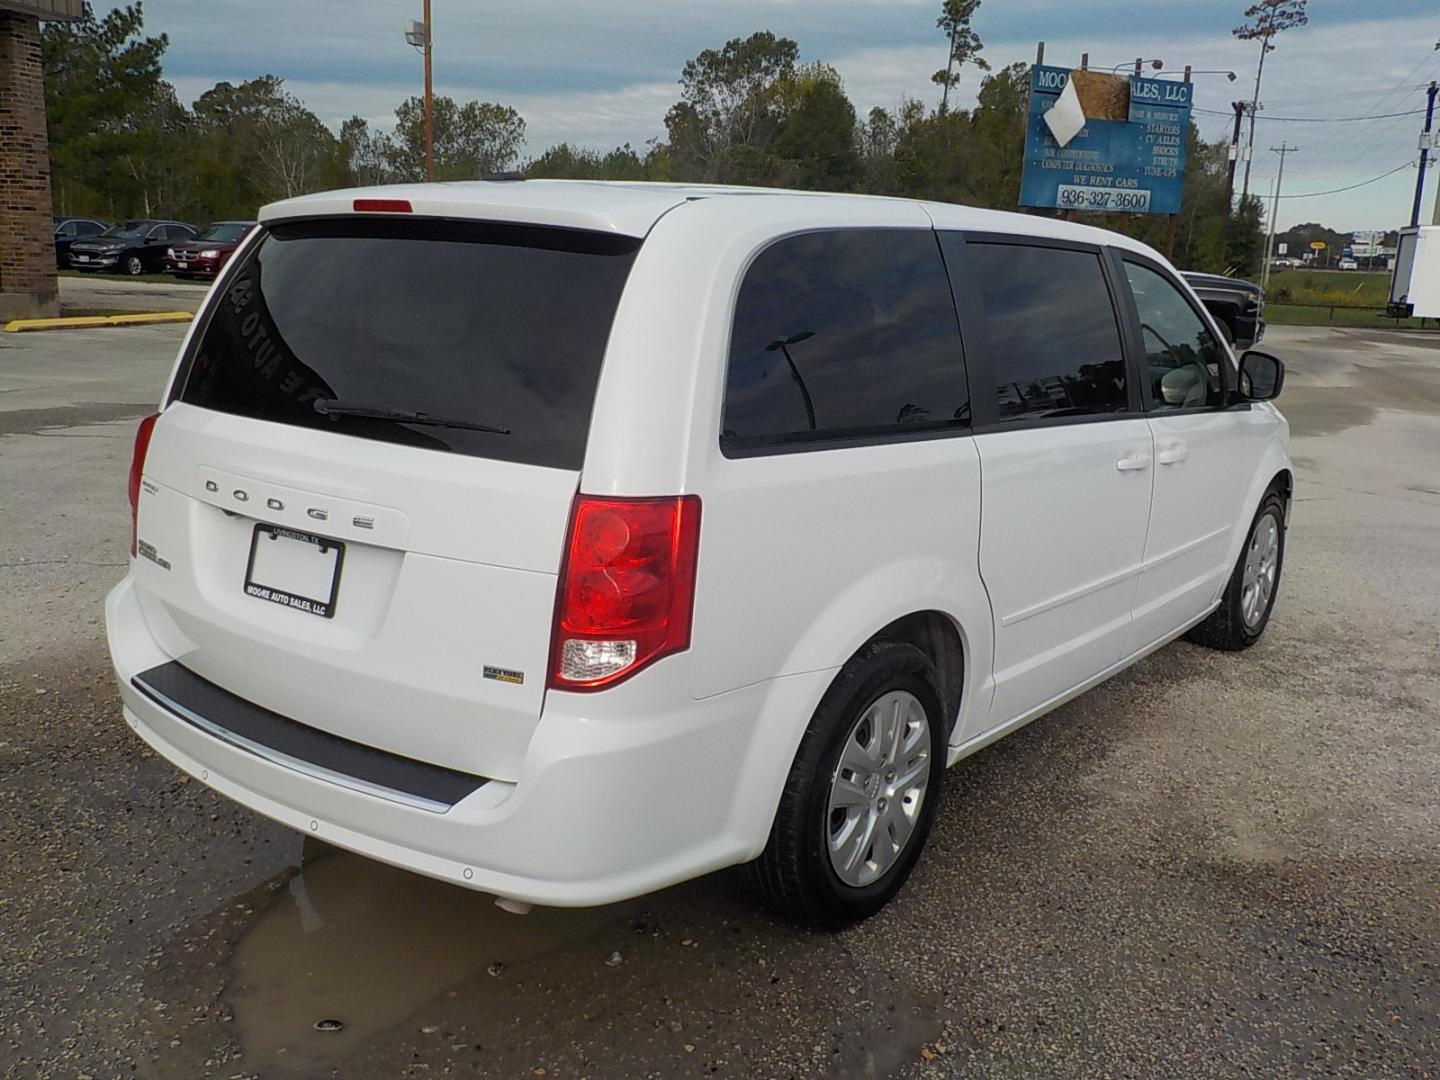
223, 234
494, 326
126, 228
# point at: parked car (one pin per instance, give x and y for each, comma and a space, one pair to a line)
130, 247
1282, 263
567, 540
68, 230
209, 251
1347, 264
1238, 306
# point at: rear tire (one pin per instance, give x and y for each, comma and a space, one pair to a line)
1245, 607
872, 759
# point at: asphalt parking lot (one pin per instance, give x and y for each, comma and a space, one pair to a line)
1214, 865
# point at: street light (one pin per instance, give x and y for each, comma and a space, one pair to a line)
1138, 63
420, 35
1229, 75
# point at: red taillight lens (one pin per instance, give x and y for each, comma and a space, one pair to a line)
382, 206
137, 469
627, 588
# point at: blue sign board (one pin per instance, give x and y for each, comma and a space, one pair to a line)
1135, 165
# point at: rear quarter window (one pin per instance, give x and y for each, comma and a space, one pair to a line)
843, 335
488, 324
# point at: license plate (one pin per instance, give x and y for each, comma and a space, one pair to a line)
294, 569
182, 265
82, 258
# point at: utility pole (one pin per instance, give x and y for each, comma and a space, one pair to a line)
1254, 108
429, 99
1239, 107
1282, 150
1424, 153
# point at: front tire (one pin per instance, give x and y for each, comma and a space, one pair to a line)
862, 792
134, 265
1245, 608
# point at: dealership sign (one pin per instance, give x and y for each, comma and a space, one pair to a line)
1130, 159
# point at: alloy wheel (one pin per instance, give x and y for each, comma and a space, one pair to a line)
878, 788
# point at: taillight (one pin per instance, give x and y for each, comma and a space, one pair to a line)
137, 469
626, 590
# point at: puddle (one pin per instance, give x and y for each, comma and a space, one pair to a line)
895, 1039
357, 941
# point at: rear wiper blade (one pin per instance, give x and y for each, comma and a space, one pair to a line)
335, 407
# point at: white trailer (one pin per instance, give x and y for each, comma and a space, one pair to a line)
1415, 286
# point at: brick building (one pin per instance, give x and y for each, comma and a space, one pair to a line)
27, 244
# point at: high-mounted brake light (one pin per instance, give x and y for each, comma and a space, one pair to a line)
382, 206
627, 588
137, 469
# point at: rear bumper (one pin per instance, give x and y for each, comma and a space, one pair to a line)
621, 793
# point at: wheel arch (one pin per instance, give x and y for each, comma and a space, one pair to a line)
939, 637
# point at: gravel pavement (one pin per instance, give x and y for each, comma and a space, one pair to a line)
1214, 865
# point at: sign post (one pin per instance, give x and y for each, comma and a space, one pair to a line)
1132, 164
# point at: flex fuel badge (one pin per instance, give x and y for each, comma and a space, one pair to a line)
501, 674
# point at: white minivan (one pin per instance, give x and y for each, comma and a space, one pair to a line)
568, 540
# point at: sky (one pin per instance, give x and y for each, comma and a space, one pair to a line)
603, 72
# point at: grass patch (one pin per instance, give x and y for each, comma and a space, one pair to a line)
1372, 318
1322, 288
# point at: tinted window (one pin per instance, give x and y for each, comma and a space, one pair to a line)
177, 232
67, 229
89, 228
1054, 339
481, 324
844, 333
1182, 355
222, 234
126, 229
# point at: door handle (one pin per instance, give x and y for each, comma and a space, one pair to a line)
1173, 454
1133, 462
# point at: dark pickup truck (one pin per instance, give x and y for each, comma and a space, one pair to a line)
1238, 306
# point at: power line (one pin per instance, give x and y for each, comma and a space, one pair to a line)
1352, 187
1319, 119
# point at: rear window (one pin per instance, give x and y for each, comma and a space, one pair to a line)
492, 325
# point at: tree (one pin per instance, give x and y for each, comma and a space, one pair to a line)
471, 140
1247, 237
877, 138
965, 45
566, 162
100, 74
729, 110
276, 146
816, 139
1266, 19
363, 153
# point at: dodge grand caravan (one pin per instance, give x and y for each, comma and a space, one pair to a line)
568, 540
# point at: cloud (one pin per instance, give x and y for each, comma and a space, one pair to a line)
602, 74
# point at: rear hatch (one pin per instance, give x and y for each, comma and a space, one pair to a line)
354, 505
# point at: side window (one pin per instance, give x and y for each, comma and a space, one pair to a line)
1183, 357
844, 333
176, 232
1054, 339
89, 228
67, 229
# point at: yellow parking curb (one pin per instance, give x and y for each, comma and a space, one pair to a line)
76, 322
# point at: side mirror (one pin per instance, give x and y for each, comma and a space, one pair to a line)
1261, 376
